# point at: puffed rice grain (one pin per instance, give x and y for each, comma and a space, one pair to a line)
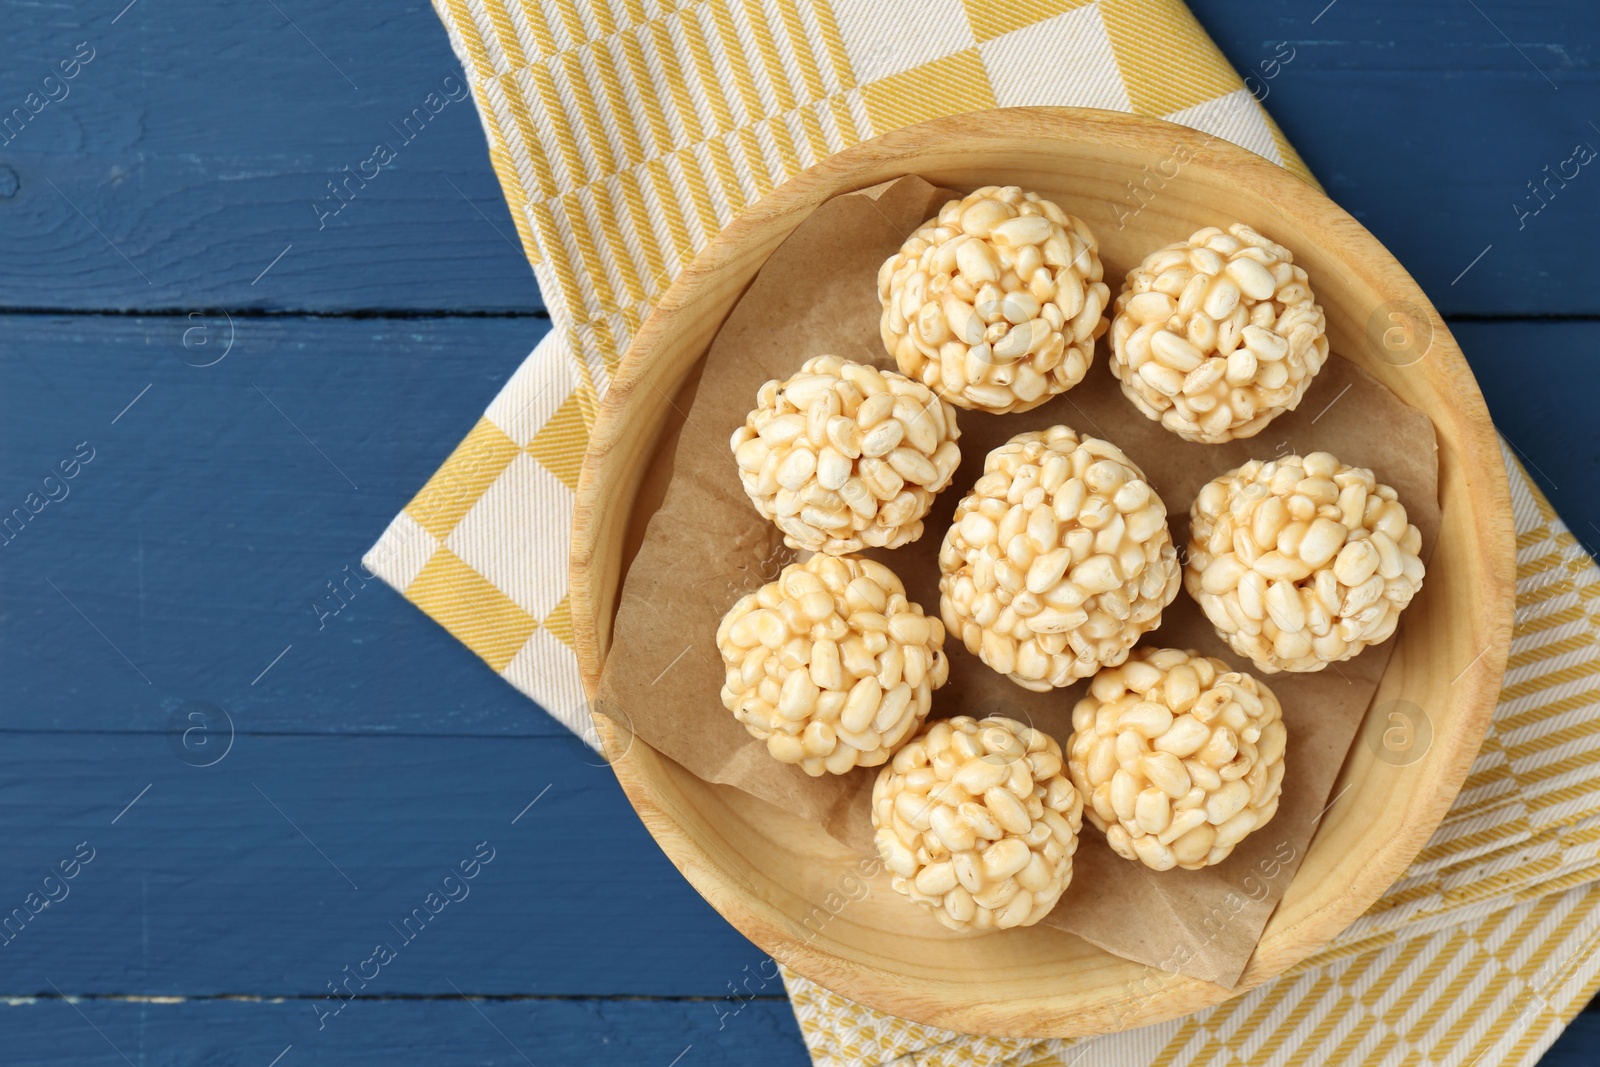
996, 302
1057, 560
831, 665
1216, 336
1301, 562
975, 820
1178, 757
844, 456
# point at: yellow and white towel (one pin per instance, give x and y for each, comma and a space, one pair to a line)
627, 133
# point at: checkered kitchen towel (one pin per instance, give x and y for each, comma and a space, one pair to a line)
627, 133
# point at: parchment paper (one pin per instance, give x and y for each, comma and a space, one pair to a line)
707, 546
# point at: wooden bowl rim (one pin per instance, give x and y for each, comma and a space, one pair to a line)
1491, 564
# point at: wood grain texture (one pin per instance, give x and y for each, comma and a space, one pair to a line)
289, 859
190, 474
199, 142
201, 175
767, 873
1550, 428
382, 1033
207, 535
1427, 121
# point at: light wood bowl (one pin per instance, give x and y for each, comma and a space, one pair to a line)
772, 875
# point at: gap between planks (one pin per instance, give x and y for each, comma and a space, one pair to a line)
488, 998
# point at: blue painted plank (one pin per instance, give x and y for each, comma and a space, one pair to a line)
205, 527
242, 519
1428, 121
198, 186
484, 1033
198, 142
379, 1033
1578, 1045
288, 859
201, 178
1540, 379
638, 1033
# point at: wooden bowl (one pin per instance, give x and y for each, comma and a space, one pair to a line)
780, 880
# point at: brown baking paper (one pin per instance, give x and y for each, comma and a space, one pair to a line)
707, 546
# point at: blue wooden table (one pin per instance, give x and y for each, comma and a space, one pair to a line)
252, 790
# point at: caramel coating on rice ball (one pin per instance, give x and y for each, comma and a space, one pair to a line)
831, 665
996, 302
1057, 560
843, 456
1218, 335
975, 820
1177, 756
1301, 562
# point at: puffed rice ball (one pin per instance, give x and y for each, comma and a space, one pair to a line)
843, 455
996, 302
1301, 562
1218, 335
975, 820
831, 665
1177, 756
1057, 560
